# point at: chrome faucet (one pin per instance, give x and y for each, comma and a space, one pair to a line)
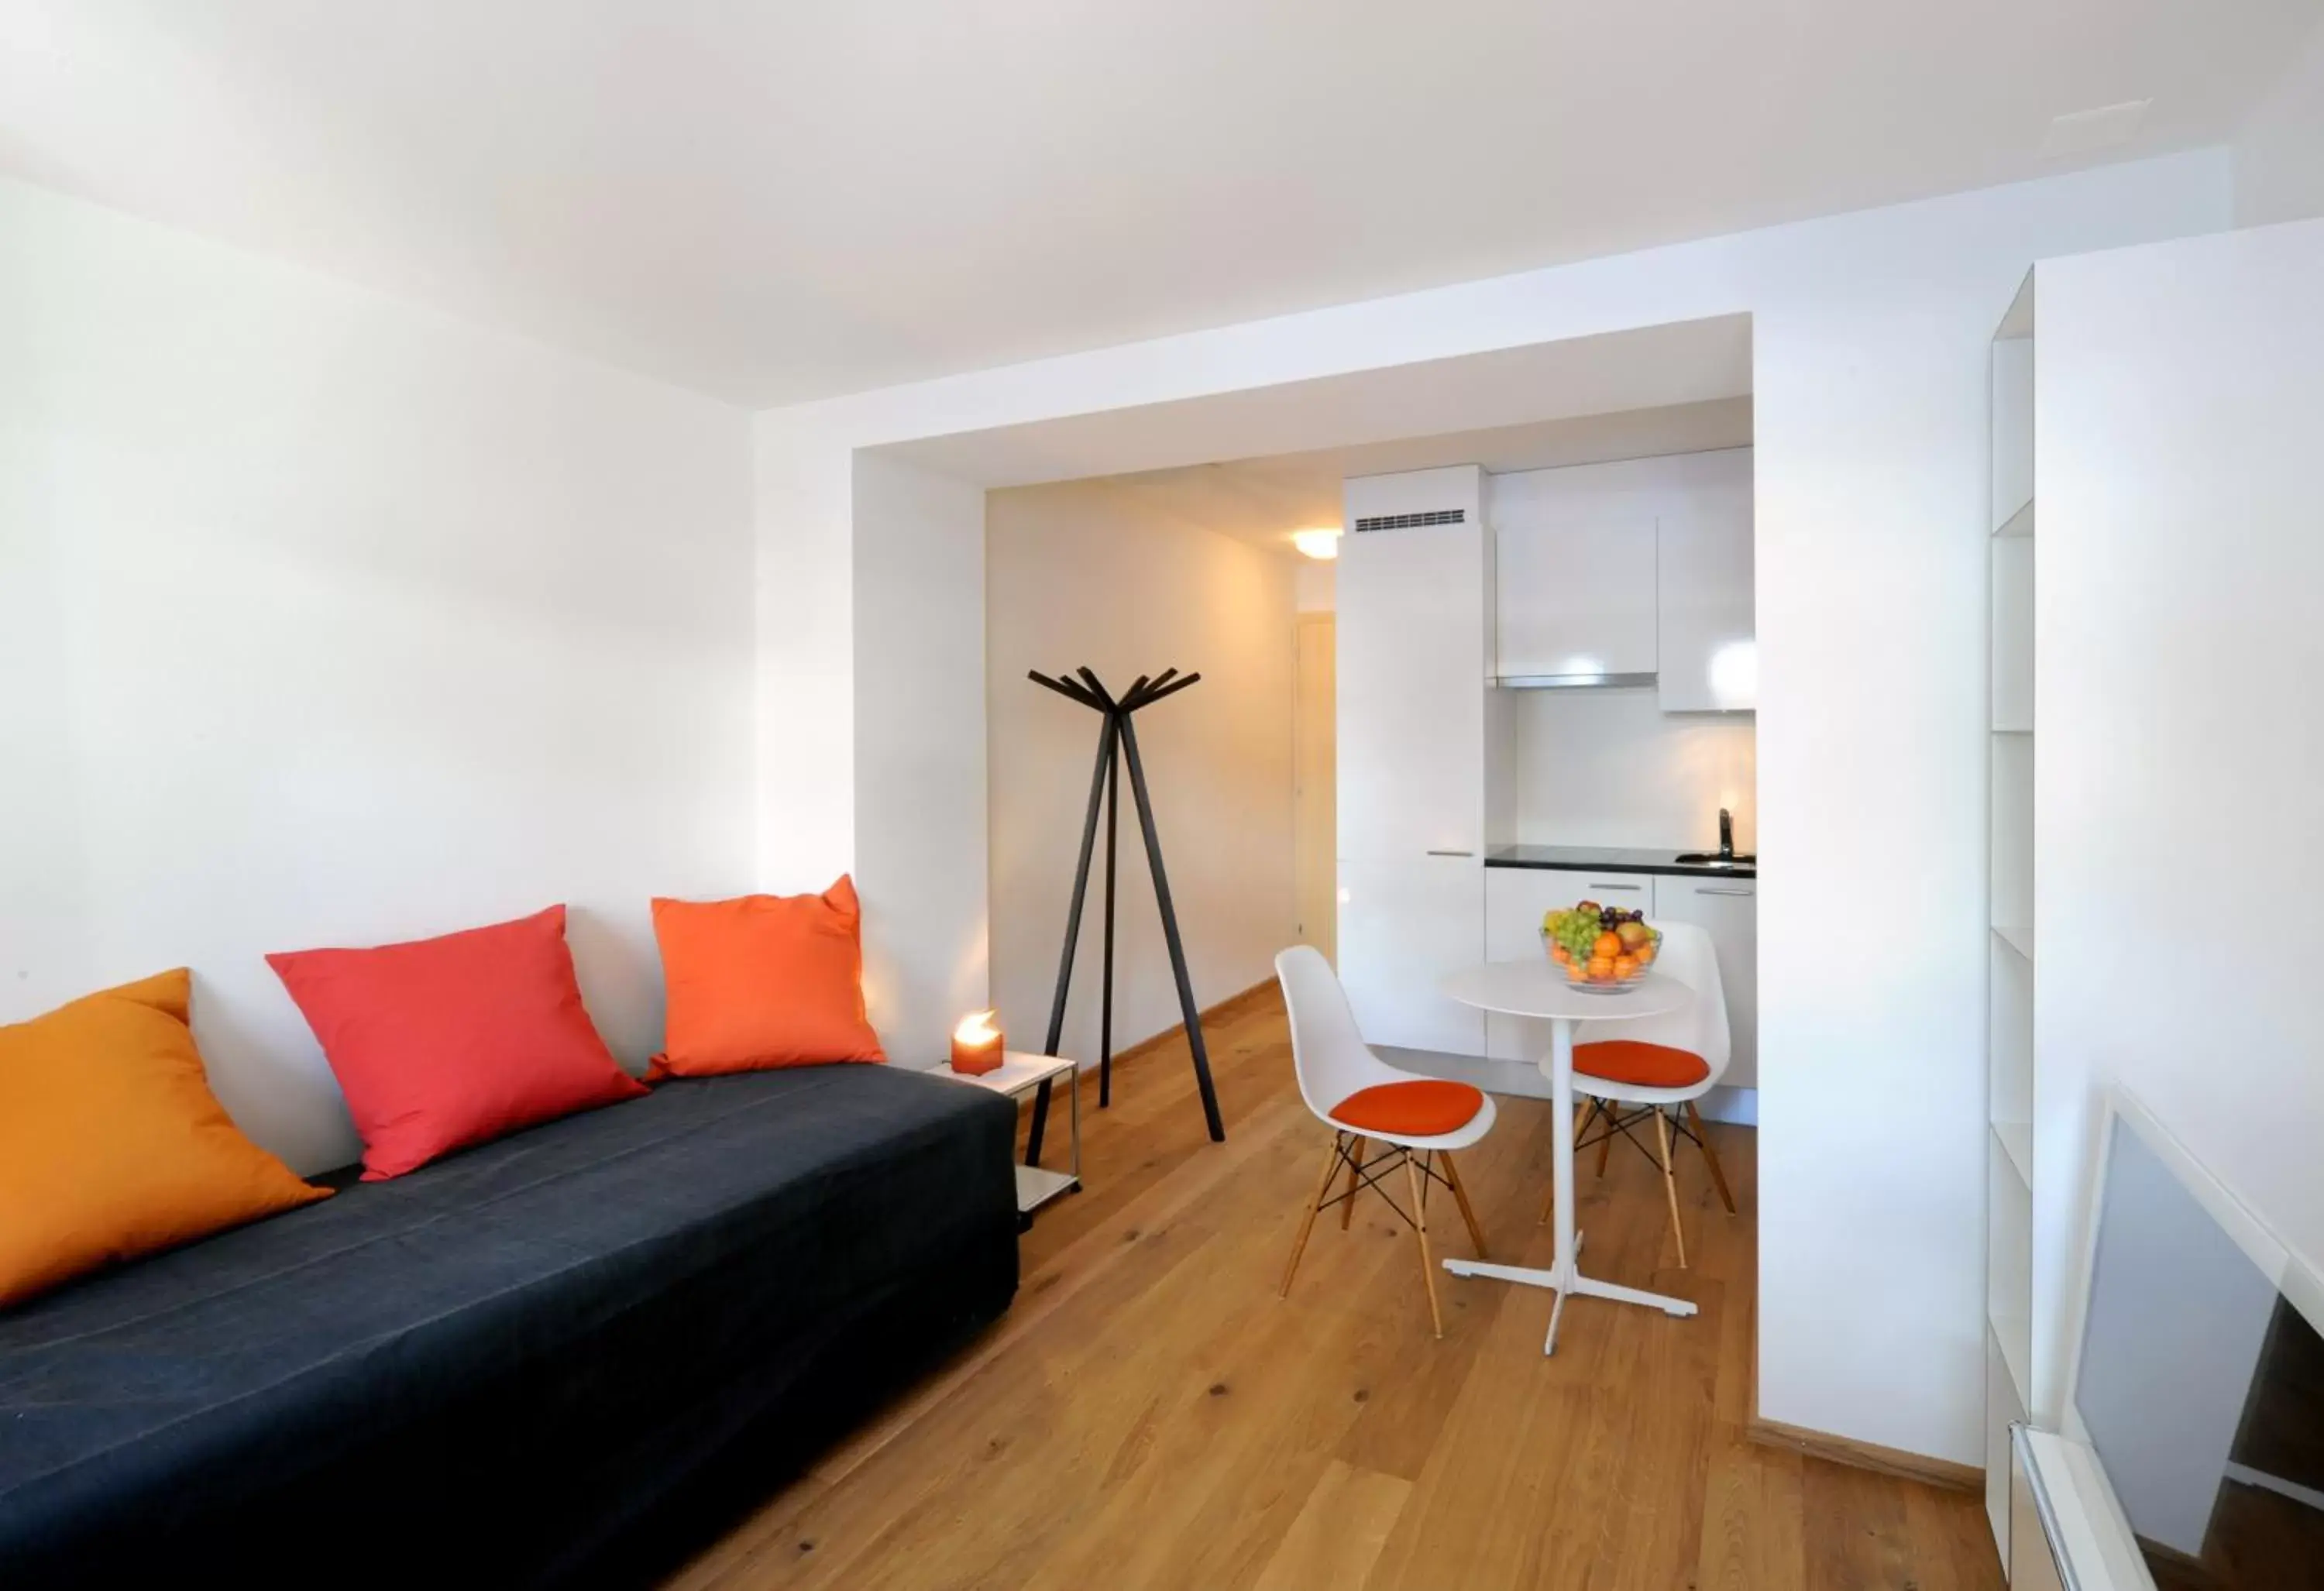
1726, 835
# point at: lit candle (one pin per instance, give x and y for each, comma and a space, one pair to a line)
976, 1045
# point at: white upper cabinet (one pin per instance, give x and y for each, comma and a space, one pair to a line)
1634, 571
1575, 597
1415, 642
1710, 645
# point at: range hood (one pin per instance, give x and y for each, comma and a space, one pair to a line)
1574, 682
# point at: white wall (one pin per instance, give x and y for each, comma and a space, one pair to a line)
1080, 575
2180, 750
331, 621
1870, 337
2279, 150
1610, 767
919, 747
1318, 584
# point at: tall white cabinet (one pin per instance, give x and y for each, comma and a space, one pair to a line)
1418, 768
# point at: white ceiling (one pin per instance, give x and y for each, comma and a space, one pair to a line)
776, 201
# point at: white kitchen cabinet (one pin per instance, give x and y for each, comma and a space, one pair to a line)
1729, 909
1404, 925
1575, 598
1710, 651
1413, 648
1516, 901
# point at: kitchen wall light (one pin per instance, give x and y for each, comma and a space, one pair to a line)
1318, 544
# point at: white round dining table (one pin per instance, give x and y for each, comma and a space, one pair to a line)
1536, 988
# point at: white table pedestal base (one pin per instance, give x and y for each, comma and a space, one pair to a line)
1571, 1282
1564, 1275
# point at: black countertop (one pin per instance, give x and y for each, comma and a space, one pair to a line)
1606, 858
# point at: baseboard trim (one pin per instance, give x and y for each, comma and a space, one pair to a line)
1232, 1006
1871, 1456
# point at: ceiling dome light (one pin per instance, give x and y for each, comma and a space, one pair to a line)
1318, 544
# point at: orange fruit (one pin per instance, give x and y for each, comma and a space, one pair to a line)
1645, 953
1601, 968
1625, 966
1608, 946
1559, 954
1574, 971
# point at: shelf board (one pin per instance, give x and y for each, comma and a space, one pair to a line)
2017, 1141
2017, 938
1037, 1185
2012, 728
2014, 1334
2017, 525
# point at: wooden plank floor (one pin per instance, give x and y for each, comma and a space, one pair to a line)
1150, 1415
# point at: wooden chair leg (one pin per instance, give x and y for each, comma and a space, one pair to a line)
1670, 1183
1583, 1115
1461, 1196
1307, 1220
1717, 1175
1606, 1143
1420, 1232
1348, 1205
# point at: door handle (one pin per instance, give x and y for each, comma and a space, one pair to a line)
1633, 888
1746, 894
1451, 853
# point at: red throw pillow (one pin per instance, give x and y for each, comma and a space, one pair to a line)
441, 1042
761, 982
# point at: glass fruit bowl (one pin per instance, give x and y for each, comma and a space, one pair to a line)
1601, 950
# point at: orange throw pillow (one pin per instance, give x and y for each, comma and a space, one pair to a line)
112, 1145
442, 1042
762, 982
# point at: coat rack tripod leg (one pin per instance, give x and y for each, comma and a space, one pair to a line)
1105, 996
1194, 1018
1105, 760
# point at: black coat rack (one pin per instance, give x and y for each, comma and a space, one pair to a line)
1117, 738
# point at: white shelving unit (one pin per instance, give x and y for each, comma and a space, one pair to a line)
2009, 1007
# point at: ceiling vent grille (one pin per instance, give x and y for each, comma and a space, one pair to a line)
1412, 521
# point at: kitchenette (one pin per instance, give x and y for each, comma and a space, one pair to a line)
1546, 683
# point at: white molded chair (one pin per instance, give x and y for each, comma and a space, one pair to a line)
1658, 1067
1418, 1120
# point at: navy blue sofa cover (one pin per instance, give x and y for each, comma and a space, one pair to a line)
520, 1364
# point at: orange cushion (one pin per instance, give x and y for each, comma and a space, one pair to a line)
1420, 1108
1641, 1065
111, 1143
766, 980
442, 1042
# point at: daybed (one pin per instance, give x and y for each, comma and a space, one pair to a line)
540, 1360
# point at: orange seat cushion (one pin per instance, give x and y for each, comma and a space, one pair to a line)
112, 1145
1640, 1064
761, 982
1420, 1108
